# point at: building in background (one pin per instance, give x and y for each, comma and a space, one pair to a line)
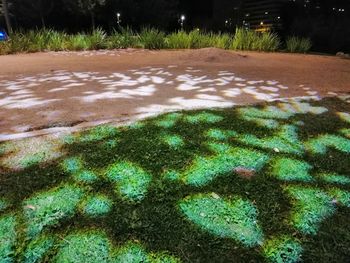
263, 15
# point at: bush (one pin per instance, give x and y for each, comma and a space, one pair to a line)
126, 38
151, 38
298, 45
178, 40
78, 42
251, 40
97, 40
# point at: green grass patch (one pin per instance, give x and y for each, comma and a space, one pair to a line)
49, 208
232, 189
8, 238
131, 181
84, 248
283, 250
96, 206
236, 219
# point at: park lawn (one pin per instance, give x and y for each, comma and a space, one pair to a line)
259, 183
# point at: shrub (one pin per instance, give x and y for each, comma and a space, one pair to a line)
298, 45
151, 38
178, 40
124, 39
97, 39
250, 40
78, 42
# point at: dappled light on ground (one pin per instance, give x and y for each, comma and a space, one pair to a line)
257, 183
62, 98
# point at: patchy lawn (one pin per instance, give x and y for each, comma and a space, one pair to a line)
249, 184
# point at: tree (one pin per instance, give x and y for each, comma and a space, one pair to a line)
85, 7
5, 11
35, 9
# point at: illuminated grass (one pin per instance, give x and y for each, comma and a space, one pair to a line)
7, 238
206, 169
268, 112
131, 181
172, 175
32, 160
344, 116
302, 108
3, 204
267, 123
169, 120
291, 170
218, 134
97, 206
235, 219
98, 133
282, 250
136, 125
310, 208
346, 132
84, 248
37, 249
85, 176
49, 208
72, 165
174, 141
320, 144
135, 253
203, 118
341, 196
286, 141
334, 178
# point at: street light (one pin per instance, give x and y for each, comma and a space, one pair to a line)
118, 19
182, 21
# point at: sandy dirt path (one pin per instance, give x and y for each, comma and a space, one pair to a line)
44, 90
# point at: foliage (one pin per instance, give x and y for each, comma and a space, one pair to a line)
149, 38
298, 45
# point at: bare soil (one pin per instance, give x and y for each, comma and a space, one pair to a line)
46, 90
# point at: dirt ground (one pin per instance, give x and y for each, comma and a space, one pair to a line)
43, 90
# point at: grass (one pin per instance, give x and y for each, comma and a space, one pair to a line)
298, 45
168, 190
148, 38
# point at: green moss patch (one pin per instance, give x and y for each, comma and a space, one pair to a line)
286, 169
236, 219
131, 181
340, 197
84, 248
283, 249
49, 208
